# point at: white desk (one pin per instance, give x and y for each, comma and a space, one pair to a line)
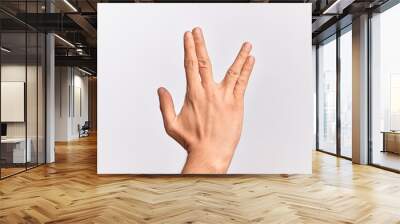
18, 145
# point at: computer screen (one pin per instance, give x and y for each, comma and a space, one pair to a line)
3, 129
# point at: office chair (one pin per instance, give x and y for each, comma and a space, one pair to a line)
84, 130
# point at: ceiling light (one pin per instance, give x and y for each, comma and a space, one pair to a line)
79, 51
65, 41
84, 71
70, 5
337, 7
326, 11
5, 50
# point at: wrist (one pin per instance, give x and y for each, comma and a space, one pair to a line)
201, 163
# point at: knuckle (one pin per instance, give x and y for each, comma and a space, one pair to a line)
189, 63
203, 63
242, 81
169, 129
247, 67
192, 96
233, 73
243, 54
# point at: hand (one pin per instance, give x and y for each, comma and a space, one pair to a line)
210, 121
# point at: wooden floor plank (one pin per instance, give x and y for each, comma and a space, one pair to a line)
70, 191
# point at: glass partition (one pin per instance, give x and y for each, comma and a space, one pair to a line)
31, 100
22, 101
31, 85
41, 97
13, 109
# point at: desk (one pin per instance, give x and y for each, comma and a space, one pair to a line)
15, 148
391, 141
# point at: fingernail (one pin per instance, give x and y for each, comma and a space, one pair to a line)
160, 90
197, 30
187, 34
247, 46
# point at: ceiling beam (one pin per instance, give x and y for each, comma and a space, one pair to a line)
82, 61
84, 24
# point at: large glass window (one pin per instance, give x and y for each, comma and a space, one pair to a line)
327, 96
385, 89
346, 93
335, 61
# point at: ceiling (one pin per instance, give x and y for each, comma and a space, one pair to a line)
76, 21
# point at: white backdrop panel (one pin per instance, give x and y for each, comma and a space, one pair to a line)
140, 47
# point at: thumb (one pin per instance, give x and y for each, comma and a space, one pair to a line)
166, 107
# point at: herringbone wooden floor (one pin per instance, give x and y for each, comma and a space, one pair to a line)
69, 191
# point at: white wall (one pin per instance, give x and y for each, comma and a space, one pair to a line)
69, 81
62, 81
278, 125
79, 117
314, 73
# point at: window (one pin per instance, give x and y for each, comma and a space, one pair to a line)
333, 137
385, 89
346, 93
327, 96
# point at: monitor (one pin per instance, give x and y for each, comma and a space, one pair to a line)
3, 129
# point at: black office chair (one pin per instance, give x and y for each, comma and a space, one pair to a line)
84, 130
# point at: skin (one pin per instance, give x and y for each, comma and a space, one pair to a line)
210, 122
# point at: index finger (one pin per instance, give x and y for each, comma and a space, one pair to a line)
202, 56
